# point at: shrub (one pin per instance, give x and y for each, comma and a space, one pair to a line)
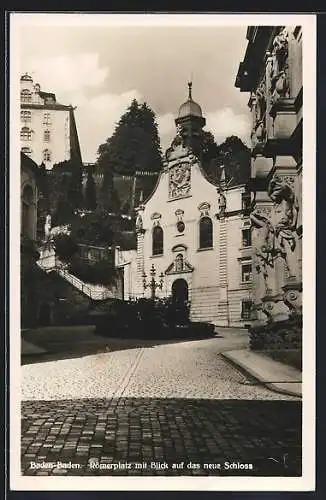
166, 311
99, 273
65, 247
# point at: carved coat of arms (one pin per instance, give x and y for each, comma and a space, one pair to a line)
179, 180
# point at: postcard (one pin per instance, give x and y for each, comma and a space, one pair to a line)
162, 329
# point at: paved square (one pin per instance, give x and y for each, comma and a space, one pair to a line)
179, 403
107, 437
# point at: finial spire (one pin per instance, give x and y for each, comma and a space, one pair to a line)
190, 87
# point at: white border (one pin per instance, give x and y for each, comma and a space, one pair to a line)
307, 481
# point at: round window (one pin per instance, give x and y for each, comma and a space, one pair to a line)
180, 226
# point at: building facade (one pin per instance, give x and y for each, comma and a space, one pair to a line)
271, 73
48, 132
195, 235
28, 251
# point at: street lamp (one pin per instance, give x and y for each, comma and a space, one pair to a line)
152, 283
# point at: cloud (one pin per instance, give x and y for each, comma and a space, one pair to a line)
72, 78
81, 80
68, 73
96, 119
166, 129
222, 123
225, 122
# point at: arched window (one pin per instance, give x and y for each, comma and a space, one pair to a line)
25, 95
157, 240
205, 233
46, 135
46, 155
25, 116
25, 134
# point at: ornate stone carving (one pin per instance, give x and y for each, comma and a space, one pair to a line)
263, 255
261, 101
178, 148
204, 208
179, 214
285, 219
275, 309
259, 105
179, 180
155, 216
293, 298
221, 199
264, 211
279, 83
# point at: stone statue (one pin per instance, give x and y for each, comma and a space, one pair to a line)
139, 223
280, 48
221, 201
47, 227
263, 257
286, 209
279, 77
260, 105
179, 263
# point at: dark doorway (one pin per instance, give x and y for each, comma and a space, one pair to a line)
180, 291
45, 314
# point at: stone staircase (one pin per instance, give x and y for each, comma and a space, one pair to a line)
49, 263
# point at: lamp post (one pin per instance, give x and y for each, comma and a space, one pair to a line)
152, 283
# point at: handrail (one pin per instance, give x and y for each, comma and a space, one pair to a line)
76, 282
84, 287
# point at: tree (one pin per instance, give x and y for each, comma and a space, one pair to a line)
108, 199
90, 192
134, 146
65, 190
206, 149
236, 158
233, 154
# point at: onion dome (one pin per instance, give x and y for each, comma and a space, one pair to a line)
190, 107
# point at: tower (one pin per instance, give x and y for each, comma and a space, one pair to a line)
190, 120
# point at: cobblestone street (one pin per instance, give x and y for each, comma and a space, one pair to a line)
172, 403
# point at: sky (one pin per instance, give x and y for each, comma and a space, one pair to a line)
100, 69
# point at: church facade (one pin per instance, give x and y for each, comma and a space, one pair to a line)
193, 236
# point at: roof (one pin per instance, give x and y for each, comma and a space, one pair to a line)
47, 95
190, 107
26, 77
26, 161
253, 64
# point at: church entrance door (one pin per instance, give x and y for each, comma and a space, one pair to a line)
180, 291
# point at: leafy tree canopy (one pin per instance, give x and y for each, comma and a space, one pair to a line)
134, 145
62, 191
232, 153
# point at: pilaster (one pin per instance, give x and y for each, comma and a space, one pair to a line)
223, 273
